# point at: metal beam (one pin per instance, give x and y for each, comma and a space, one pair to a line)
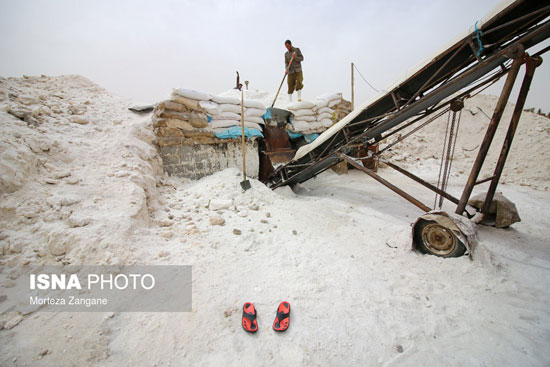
384, 182
531, 64
422, 182
436, 73
489, 135
483, 180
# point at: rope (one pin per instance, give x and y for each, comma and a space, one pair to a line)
478, 36
369, 84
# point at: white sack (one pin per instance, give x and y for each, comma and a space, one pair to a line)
330, 97
254, 112
320, 103
210, 107
254, 119
255, 103
227, 116
305, 112
229, 108
192, 94
228, 123
300, 105
223, 123
325, 110
226, 99
326, 122
334, 103
307, 118
325, 115
299, 126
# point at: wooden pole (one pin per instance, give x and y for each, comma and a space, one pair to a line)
352, 91
242, 134
282, 81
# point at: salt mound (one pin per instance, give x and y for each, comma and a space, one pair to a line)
75, 165
225, 186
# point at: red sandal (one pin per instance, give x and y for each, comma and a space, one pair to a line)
282, 319
249, 318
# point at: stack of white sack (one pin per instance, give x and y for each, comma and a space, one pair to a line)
324, 116
182, 116
323, 108
323, 113
304, 120
225, 112
331, 99
254, 110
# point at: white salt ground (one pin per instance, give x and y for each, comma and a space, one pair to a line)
338, 249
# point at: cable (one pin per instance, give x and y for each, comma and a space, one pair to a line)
369, 84
454, 146
439, 181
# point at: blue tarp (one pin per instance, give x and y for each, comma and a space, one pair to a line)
267, 115
308, 137
235, 132
311, 137
293, 135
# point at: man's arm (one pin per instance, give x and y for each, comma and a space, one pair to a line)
299, 57
288, 62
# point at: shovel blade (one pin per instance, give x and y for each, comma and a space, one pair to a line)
245, 185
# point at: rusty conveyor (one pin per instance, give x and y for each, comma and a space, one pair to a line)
468, 64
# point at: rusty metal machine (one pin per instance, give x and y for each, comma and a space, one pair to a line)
276, 148
495, 47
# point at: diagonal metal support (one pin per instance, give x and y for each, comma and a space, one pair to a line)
489, 135
531, 64
386, 183
426, 184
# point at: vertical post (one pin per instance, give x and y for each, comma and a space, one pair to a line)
242, 134
352, 89
489, 135
530, 65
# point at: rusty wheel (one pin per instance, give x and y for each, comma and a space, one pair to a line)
435, 239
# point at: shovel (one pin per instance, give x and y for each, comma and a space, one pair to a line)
282, 81
245, 184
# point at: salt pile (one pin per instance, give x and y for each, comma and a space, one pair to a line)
81, 169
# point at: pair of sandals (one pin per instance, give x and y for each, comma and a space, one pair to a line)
281, 323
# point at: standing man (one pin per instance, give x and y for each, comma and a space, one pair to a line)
294, 70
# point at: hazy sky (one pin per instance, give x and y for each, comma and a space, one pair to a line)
141, 49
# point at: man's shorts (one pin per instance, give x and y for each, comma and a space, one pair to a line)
295, 82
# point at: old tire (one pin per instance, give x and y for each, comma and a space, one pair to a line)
432, 238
